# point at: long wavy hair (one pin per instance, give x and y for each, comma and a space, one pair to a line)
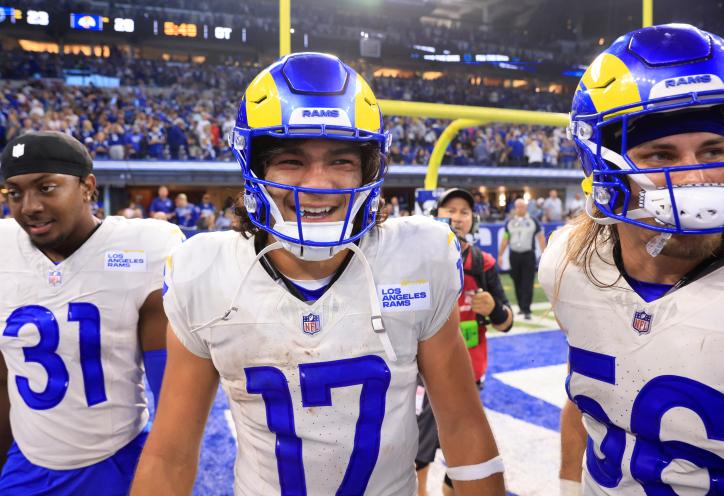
267, 147
586, 241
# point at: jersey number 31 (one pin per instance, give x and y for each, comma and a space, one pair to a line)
45, 353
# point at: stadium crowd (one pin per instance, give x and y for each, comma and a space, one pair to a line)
17, 64
185, 112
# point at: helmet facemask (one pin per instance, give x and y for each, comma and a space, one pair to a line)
625, 192
312, 240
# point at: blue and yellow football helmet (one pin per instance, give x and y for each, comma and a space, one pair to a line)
653, 82
309, 95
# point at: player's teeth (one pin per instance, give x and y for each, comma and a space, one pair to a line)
315, 211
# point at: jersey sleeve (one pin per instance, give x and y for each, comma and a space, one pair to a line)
171, 238
552, 260
158, 239
177, 294
447, 281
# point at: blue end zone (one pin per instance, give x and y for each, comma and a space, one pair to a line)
523, 351
215, 476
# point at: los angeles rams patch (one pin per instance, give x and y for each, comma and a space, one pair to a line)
407, 296
126, 261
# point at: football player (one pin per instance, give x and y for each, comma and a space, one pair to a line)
317, 317
81, 316
637, 284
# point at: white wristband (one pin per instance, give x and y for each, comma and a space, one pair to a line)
569, 488
475, 472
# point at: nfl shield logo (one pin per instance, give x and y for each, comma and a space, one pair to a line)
55, 277
18, 150
311, 324
642, 322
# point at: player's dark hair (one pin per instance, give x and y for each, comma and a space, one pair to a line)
265, 148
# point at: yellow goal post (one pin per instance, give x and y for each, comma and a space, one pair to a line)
462, 117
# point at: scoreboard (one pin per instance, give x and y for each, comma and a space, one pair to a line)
143, 25
185, 29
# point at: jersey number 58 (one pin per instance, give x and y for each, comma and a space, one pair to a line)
651, 455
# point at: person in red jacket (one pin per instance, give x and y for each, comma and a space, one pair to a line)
482, 302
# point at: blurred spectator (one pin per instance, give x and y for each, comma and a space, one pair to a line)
535, 209
207, 208
575, 205
162, 204
117, 142
177, 139
394, 210
481, 153
207, 214
481, 206
138, 201
132, 211
516, 153
552, 208
156, 142
136, 143
226, 220
99, 146
28, 127
567, 156
534, 153
186, 214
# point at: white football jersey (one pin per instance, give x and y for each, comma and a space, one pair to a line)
70, 339
649, 377
318, 407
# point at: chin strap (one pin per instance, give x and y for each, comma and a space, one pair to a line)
637, 213
233, 307
376, 320
377, 324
